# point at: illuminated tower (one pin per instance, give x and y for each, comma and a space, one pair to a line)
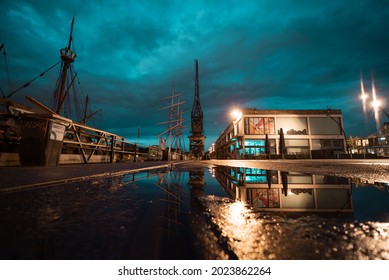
197, 137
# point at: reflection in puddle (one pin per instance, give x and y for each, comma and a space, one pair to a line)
279, 215
251, 235
220, 213
266, 190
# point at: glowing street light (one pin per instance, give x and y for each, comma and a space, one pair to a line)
364, 96
376, 103
236, 114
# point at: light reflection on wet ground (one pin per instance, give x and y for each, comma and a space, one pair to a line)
180, 215
249, 235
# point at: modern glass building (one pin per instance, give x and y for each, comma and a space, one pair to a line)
282, 134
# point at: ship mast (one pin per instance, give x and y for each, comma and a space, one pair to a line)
86, 116
175, 128
85, 110
67, 57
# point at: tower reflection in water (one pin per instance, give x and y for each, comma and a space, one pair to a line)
278, 191
196, 181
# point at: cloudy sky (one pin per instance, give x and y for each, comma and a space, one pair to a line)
265, 54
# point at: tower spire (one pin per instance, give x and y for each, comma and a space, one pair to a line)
197, 117
197, 113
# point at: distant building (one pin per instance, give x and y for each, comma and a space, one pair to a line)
282, 134
375, 145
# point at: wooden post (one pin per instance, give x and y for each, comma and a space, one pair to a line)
135, 153
122, 154
112, 149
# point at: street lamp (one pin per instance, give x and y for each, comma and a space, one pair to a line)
364, 96
376, 103
237, 115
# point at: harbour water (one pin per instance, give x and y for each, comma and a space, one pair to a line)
201, 213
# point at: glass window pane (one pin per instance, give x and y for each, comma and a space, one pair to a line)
252, 171
301, 200
293, 125
259, 126
326, 143
325, 126
256, 179
297, 151
299, 179
296, 143
271, 126
337, 143
264, 198
333, 199
316, 144
252, 142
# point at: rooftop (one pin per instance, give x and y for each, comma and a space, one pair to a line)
282, 112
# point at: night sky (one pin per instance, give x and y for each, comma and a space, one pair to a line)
256, 54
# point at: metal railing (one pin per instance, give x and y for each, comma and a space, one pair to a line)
92, 143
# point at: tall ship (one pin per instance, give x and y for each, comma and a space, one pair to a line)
59, 134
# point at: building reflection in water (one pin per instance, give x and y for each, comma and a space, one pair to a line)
279, 191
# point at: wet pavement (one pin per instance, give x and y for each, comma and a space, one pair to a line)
103, 218
195, 211
250, 235
18, 176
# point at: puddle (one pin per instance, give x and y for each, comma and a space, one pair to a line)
216, 213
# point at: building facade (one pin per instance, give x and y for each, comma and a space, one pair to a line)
278, 191
282, 134
375, 145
